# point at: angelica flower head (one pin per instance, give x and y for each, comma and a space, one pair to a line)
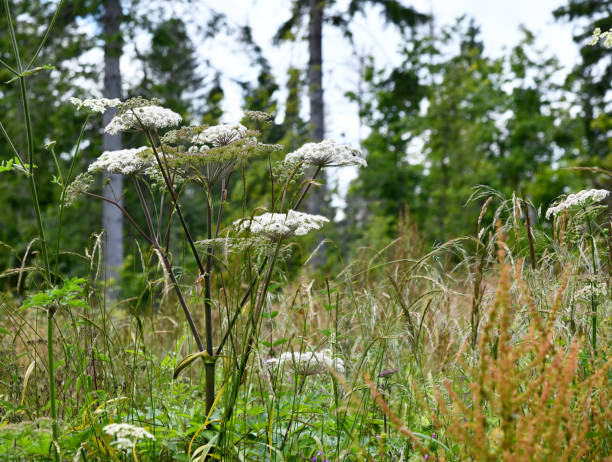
124, 161
307, 363
258, 115
581, 198
327, 153
149, 117
182, 135
280, 225
95, 104
126, 435
79, 185
220, 135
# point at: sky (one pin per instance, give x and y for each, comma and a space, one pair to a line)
499, 21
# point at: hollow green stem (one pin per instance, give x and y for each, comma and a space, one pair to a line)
593, 303
168, 267
30, 143
63, 195
175, 203
50, 313
210, 366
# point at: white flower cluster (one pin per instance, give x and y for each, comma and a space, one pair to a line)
308, 363
143, 116
279, 225
95, 104
126, 435
605, 36
578, 199
220, 135
124, 161
327, 153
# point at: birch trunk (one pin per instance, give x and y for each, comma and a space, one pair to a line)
112, 219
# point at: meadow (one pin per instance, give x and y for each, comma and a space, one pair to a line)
494, 346
489, 347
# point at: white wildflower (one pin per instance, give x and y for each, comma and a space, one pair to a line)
95, 104
278, 225
123, 444
144, 116
606, 37
307, 363
220, 135
126, 435
327, 153
124, 161
579, 199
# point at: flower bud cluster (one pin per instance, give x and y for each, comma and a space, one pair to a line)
598, 35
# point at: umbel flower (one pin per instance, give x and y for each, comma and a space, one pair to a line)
281, 225
95, 104
151, 117
126, 435
577, 200
307, 363
81, 184
327, 153
124, 161
220, 135
209, 154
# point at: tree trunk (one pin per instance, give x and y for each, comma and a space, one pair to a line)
316, 198
315, 70
112, 219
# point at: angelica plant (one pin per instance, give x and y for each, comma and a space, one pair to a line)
207, 157
581, 205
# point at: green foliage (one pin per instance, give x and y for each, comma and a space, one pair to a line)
443, 123
15, 165
170, 69
591, 79
71, 294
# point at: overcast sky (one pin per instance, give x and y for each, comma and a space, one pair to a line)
499, 21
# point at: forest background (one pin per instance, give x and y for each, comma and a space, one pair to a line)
446, 118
